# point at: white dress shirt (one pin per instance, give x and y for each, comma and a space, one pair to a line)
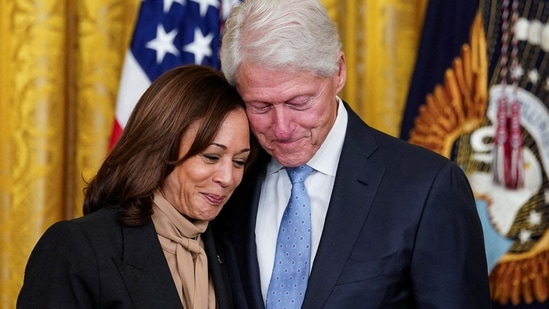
275, 193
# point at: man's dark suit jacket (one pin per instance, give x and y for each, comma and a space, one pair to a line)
94, 262
402, 231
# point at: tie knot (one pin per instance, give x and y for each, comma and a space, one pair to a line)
299, 173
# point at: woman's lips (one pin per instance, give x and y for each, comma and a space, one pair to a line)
214, 199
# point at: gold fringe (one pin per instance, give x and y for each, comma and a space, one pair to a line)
459, 104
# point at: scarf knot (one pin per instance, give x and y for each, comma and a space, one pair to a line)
183, 248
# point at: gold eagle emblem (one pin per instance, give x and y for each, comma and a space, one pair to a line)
456, 108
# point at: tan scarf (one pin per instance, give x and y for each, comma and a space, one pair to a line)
184, 251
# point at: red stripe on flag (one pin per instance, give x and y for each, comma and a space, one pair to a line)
116, 132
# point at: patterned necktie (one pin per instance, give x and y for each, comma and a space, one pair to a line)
293, 246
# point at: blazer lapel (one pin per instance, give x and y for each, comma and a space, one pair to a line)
217, 272
357, 180
145, 271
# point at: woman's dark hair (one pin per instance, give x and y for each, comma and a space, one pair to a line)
148, 149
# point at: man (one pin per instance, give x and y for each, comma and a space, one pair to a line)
391, 225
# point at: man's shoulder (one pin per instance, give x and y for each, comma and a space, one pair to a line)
393, 153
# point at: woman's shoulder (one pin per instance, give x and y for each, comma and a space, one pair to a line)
99, 230
103, 217
101, 225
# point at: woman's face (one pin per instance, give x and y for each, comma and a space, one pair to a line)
200, 186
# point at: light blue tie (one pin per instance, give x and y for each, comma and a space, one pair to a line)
293, 246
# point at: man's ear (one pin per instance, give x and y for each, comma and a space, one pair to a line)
341, 73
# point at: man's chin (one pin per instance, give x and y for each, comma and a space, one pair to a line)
290, 158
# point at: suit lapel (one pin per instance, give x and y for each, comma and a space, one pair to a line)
356, 182
145, 271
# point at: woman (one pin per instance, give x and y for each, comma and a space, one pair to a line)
144, 241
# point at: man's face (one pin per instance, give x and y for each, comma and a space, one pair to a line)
290, 112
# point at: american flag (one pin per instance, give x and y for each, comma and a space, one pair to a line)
168, 33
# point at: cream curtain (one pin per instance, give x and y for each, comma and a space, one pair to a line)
60, 62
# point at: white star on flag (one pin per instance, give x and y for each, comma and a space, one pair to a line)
200, 47
163, 43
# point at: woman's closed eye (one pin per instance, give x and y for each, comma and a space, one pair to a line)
212, 158
240, 163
